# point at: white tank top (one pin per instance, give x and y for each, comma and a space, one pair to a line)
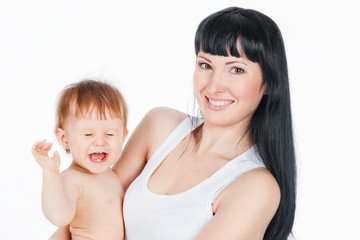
181, 216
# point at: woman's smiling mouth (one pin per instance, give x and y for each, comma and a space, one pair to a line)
218, 103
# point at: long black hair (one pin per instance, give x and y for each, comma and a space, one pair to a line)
271, 124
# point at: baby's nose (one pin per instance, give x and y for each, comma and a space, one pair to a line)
99, 142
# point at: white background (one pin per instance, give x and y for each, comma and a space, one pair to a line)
146, 49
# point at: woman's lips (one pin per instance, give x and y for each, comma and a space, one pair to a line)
218, 104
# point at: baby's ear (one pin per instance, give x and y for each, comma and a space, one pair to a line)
61, 137
126, 132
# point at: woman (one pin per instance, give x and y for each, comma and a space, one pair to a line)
230, 174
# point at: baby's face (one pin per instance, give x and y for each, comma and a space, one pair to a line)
95, 144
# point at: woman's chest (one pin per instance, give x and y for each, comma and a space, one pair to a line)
179, 173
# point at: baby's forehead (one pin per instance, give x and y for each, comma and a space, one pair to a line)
92, 112
95, 113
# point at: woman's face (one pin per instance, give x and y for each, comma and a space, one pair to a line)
228, 89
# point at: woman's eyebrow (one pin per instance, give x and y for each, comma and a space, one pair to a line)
204, 58
239, 61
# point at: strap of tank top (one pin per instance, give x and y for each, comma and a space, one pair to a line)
236, 167
175, 137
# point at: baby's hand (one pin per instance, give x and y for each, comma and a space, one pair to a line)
40, 151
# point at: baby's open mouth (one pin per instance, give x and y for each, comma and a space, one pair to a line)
98, 156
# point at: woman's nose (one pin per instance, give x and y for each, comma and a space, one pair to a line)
216, 83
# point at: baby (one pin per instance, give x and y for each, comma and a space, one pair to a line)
91, 125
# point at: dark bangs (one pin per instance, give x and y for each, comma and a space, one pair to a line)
218, 34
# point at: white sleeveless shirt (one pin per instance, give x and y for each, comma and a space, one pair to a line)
182, 216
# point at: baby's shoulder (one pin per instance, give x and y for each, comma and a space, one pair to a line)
106, 183
73, 177
71, 173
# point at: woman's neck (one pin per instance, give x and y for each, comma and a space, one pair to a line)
224, 140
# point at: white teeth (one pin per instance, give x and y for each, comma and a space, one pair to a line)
97, 156
219, 103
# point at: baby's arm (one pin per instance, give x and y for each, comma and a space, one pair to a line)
58, 208
62, 233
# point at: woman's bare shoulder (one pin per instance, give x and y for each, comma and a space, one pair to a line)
150, 133
163, 120
258, 182
165, 116
257, 188
244, 209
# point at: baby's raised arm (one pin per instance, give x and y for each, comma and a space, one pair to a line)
57, 206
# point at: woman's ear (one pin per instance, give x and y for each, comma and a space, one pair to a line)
265, 86
61, 137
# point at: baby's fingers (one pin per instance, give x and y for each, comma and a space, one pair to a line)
42, 147
47, 147
38, 144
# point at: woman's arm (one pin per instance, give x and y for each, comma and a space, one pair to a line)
147, 137
244, 209
133, 157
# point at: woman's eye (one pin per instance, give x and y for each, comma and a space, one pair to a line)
237, 70
205, 66
88, 134
110, 134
